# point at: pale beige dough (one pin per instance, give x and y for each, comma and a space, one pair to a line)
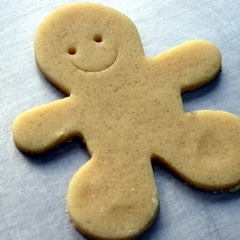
128, 109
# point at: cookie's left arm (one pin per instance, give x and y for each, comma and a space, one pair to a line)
42, 128
195, 62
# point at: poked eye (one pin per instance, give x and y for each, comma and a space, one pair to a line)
72, 50
97, 38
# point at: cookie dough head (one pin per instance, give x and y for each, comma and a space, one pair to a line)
83, 38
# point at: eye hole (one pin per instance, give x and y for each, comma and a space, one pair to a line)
72, 50
97, 38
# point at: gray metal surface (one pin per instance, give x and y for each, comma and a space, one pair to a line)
33, 189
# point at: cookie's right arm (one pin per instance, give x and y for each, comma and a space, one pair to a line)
42, 128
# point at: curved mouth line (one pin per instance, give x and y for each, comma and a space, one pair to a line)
79, 68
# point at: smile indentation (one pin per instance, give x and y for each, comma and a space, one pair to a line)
97, 67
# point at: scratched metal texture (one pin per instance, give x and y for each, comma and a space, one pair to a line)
33, 189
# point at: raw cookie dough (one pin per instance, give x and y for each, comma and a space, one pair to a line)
128, 109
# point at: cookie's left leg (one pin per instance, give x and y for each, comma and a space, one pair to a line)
205, 152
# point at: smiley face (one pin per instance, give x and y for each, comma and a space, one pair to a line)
71, 42
96, 55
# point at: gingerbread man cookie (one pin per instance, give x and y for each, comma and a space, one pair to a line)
128, 109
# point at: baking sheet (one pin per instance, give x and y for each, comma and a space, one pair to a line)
33, 189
